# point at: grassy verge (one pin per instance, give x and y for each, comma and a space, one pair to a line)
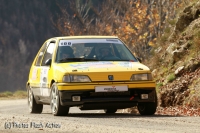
13, 95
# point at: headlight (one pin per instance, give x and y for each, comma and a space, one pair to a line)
66, 78
139, 77
76, 78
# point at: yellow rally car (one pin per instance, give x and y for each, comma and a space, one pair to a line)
91, 72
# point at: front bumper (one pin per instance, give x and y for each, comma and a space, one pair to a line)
101, 100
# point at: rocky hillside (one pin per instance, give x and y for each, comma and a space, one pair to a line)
176, 61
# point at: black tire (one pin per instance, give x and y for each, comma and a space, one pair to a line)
147, 108
33, 106
110, 111
56, 108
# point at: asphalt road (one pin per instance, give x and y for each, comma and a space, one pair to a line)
14, 117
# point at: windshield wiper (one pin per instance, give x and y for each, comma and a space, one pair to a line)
76, 59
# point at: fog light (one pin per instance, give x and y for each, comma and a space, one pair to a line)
144, 96
76, 98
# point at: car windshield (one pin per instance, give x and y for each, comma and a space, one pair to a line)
76, 50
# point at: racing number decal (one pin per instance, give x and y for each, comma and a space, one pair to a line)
65, 43
43, 81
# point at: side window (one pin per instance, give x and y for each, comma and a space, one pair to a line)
40, 55
48, 53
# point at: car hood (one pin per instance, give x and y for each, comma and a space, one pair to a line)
99, 71
103, 66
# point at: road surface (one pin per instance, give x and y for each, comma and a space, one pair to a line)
14, 117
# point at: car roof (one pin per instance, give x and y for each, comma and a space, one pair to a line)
84, 37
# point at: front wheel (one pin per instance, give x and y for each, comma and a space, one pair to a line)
33, 106
56, 108
147, 108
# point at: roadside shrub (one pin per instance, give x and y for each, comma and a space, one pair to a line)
16, 94
6, 94
158, 85
20, 94
171, 77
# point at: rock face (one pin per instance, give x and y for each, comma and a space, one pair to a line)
188, 15
176, 55
179, 71
182, 53
171, 48
193, 65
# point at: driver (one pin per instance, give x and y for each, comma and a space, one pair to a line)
65, 52
105, 52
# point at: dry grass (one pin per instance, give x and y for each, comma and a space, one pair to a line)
19, 94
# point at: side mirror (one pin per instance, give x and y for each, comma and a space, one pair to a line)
48, 62
139, 60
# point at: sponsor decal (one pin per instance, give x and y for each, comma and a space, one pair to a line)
112, 40
88, 65
34, 74
83, 41
113, 88
126, 64
102, 64
93, 65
